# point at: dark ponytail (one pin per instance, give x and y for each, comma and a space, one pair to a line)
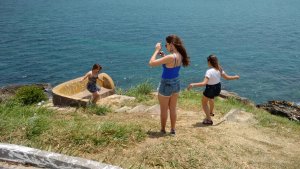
178, 44
213, 60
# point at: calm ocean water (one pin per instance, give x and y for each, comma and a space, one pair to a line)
55, 41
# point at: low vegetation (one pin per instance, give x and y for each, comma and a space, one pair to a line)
97, 109
132, 140
29, 95
141, 92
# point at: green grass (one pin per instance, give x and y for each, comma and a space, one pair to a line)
87, 133
112, 133
190, 100
82, 133
32, 119
142, 92
97, 109
37, 127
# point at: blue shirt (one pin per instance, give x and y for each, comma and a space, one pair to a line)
170, 73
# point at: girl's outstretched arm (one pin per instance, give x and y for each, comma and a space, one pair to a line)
85, 76
203, 83
227, 77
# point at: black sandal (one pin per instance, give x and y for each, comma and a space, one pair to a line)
163, 131
207, 122
172, 132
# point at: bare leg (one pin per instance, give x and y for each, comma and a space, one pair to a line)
96, 96
164, 105
211, 105
172, 107
205, 107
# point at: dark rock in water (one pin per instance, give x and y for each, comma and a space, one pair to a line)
226, 94
282, 108
10, 90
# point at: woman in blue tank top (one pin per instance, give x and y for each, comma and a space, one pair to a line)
169, 86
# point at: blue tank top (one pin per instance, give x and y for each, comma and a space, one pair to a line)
170, 73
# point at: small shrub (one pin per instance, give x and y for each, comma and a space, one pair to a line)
144, 88
98, 110
29, 95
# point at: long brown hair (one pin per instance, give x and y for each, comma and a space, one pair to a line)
176, 41
213, 60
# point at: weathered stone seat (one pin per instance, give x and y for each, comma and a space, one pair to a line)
83, 95
87, 95
74, 93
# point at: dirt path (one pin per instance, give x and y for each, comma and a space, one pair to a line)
234, 141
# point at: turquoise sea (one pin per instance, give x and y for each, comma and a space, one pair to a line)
55, 41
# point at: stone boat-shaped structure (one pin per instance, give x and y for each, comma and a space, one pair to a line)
74, 92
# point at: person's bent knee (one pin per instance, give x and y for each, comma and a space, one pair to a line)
204, 98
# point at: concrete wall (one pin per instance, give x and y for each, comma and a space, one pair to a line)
26, 155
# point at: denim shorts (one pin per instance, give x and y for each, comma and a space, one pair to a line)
211, 91
167, 87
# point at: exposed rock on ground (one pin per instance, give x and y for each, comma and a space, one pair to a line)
282, 108
155, 109
238, 116
139, 109
124, 109
116, 100
226, 94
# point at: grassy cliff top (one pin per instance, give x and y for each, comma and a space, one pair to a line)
247, 137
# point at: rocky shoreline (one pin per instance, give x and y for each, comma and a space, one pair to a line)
282, 108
